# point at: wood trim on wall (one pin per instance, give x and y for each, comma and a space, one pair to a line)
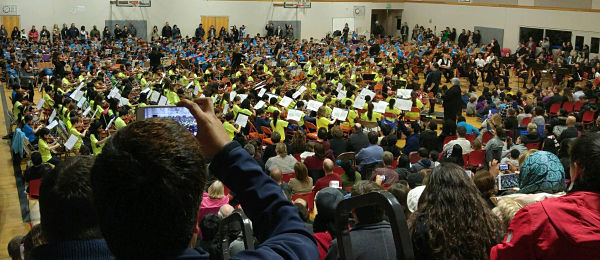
501, 5
441, 3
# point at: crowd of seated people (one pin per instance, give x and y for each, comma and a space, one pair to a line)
307, 122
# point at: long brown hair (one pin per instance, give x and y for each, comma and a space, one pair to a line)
449, 199
301, 172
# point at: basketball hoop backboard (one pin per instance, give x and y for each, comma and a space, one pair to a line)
134, 3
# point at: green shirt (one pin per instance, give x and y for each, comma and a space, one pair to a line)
119, 123
74, 132
230, 129
94, 142
43, 149
280, 128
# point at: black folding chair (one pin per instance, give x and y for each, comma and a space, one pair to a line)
236, 216
393, 211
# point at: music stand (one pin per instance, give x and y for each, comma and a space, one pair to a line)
367, 77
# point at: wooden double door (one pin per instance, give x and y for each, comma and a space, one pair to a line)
216, 21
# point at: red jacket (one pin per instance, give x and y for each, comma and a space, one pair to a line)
567, 227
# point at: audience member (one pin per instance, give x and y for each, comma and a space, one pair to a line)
68, 217
371, 154
388, 175
370, 226
549, 229
302, 183
283, 161
163, 157
277, 177
460, 140
330, 178
450, 194
358, 140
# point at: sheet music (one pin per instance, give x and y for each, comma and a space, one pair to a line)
71, 142
294, 114
260, 104
359, 103
87, 111
339, 87
379, 107
188, 85
242, 97
52, 125
145, 90
155, 96
52, 116
402, 104
196, 89
339, 114
40, 104
110, 124
404, 93
367, 92
225, 108
80, 86
163, 101
341, 94
123, 101
313, 105
81, 102
262, 92
285, 102
232, 95
299, 92
241, 120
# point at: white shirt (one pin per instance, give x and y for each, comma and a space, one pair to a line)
490, 59
480, 62
441, 62
464, 143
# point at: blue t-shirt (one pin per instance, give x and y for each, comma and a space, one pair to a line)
29, 133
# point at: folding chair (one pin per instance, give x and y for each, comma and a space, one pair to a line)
393, 211
311, 130
308, 197
247, 235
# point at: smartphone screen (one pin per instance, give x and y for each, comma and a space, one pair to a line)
504, 167
507, 181
180, 114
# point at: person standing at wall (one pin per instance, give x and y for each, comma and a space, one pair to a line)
199, 33
404, 31
167, 32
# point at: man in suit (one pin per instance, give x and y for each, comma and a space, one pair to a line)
269, 28
432, 83
279, 31
452, 102
358, 140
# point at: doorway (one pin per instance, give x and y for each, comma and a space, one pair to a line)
216, 21
10, 21
388, 19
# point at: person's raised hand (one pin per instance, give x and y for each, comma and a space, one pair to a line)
211, 135
494, 168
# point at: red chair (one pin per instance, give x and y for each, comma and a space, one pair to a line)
311, 130
588, 117
554, 109
34, 188
308, 197
568, 106
414, 157
533, 146
286, 177
476, 159
526, 121
466, 160
471, 137
577, 106
225, 190
297, 156
449, 138
253, 134
486, 137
